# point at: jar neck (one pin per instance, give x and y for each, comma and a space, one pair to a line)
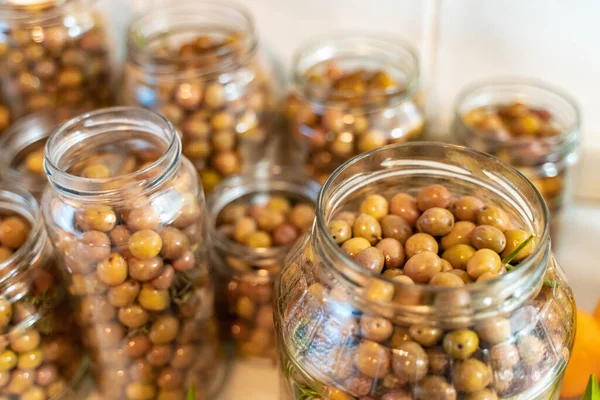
523, 150
265, 179
184, 20
41, 12
83, 136
464, 172
351, 52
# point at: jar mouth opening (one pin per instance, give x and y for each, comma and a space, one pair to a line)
264, 180
191, 18
107, 121
529, 91
497, 176
397, 57
31, 12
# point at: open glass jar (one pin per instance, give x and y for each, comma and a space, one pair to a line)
346, 332
125, 213
42, 355
528, 124
254, 219
198, 64
351, 94
54, 54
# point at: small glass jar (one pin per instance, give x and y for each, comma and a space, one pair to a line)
125, 213
42, 355
347, 332
528, 124
54, 54
274, 201
198, 64
351, 94
22, 158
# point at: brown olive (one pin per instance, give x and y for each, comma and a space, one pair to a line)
514, 238
405, 206
504, 356
145, 270
268, 219
409, 361
436, 221
372, 359
485, 394
124, 294
488, 237
446, 279
466, 208
160, 355
459, 255
531, 350
137, 345
375, 205
169, 379
461, 344
494, 216
423, 266
174, 243
419, 243
144, 217
433, 196
367, 227
395, 227
355, 245
113, 270
393, 253
98, 218
379, 291
164, 329
435, 388
439, 361
347, 216
460, 234
183, 356
426, 336
302, 216
484, 260
285, 234
133, 316
371, 258
494, 330
244, 227
95, 245
165, 279
471, 376
377, 329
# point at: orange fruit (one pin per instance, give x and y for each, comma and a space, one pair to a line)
585, 357
597, 312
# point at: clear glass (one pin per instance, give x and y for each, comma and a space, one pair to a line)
132, 242
54, 54
332, 124
42, 355
546, 161
323, 293
198, 64
244, 275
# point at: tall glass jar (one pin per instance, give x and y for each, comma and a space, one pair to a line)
274, 200
351, 94
198, 64
531, 125
125, 213
54, 54
42, 355
22, 157
346, 332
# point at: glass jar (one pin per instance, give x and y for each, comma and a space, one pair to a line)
22, 158
5, 116
125, 213
41, 355
197, 63
528, 124
272, 201
351, 94
54, 54
520, 326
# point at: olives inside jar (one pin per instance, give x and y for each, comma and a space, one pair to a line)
54, 55
41, 354
433, 306
532, 126
254, 220
124, 212
198, 64
352, 94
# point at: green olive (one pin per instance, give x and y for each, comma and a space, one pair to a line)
471, 376
446, 279
409, 361
426, 336
488, 237
355, 245
485, 394
423, 266
466, 208
436, 221
377, 329
494, 216
372, 359
458, 235
514, 238
433, 196
420, 242
375, 205
484, 260
461, 344
367, 227
340, 230
459, 255
435, 387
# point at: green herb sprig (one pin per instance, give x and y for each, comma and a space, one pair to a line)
592, 392
191, 393
509, 258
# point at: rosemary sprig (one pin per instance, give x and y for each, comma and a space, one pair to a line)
142, 329
307, 393
592, 392
181, 290
191, 393
508, 259
550, 283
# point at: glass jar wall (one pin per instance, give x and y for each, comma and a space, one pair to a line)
41, 356
528, 124
351, 94
197, 63
348, 329
125, 213
254, 221
54, 54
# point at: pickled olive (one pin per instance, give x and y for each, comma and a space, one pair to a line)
485, 394
124, 294
494, 216
466, 208
133, 316
426, 336
514, 238
446, 279
488, 237
144, 217
113, 270
174, 243
371, 258
484, 260
433, 196
14, 231
145, 270
395, 227
439, 361
461, 344
494, 330
393, 253
347, 216
409, 361
423, 266
340, 230
99, 218
420, 242
372, 359
459, 255
378, 290
436, 221
367, 227
504, 356
153, 299
145, 244
259, 239
531, 349
355, 245
268, 219
460, 234
164, 329
279, 204
377, 329
285, 234
405, 206
95, 244
302, 216
471, 376
435, 388
375, 205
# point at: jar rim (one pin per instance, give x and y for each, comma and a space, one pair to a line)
146, 178
136, 42
364, 40
567, 140
530, 266
53, 10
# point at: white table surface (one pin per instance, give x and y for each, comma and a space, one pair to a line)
579, 241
